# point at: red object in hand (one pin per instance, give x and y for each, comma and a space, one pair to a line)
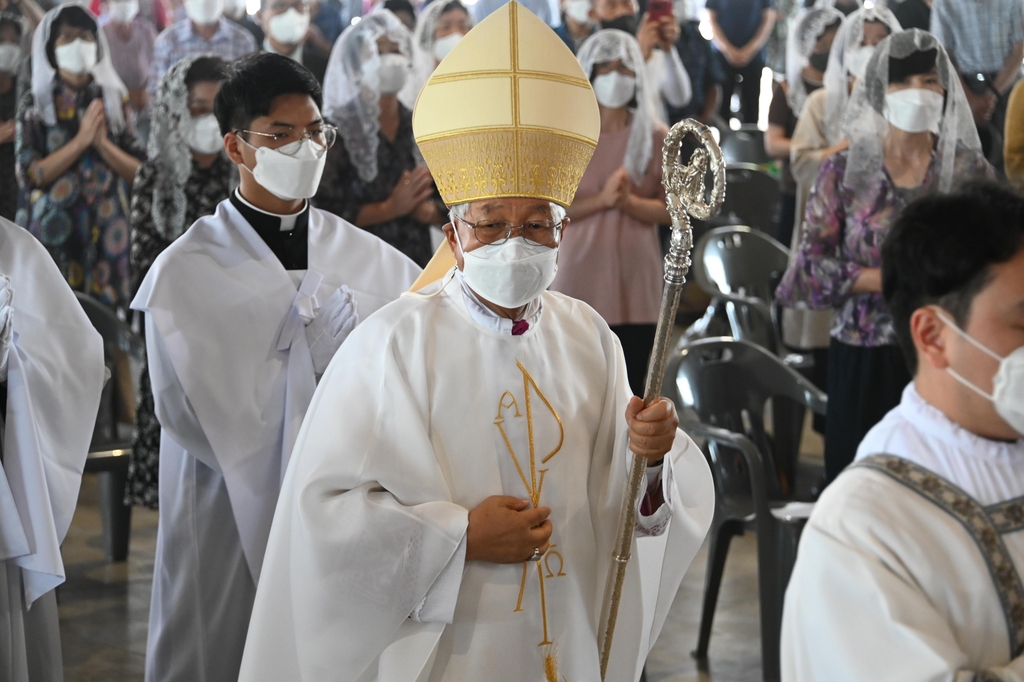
656, 9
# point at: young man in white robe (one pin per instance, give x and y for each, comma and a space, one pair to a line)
243, 314
910, 567
51, 376
451, 506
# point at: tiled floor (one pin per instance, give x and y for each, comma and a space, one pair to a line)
104, 607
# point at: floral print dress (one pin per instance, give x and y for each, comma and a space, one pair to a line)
82, 216
844, 231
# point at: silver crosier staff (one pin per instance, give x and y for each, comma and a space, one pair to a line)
685, 195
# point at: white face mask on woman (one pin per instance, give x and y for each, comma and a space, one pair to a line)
442, 46
290, 172
1007, 384
202, 133
394, 71
10, 57
857, 61
614, 90
289, 28
579, 11
123, 11
77, 57
914, 110
510, 274
204, 12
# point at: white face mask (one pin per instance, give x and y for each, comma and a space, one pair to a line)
290, 172
10, 57
579, 11
914, 110
510, 274
1007, 384
614, 90
204, 12
202, 134
857, 61
393, 72
77, 57
290, 27
123, 11
442, 46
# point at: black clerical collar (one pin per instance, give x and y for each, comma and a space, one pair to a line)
289, 243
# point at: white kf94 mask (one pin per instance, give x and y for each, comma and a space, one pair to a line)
510, 274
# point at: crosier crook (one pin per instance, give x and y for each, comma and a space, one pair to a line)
685, 195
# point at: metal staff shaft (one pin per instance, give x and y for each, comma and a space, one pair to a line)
684, 186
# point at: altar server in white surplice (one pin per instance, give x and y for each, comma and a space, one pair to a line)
910, 567
450, 508
243, 314
51, 376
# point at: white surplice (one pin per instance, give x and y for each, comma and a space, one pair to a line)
365, 576
890, 586
55, 376
232, 378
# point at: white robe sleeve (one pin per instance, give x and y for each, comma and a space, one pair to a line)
173, 409
849, 618
657, 523
438, 606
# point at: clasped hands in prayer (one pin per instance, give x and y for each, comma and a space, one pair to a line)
507, 530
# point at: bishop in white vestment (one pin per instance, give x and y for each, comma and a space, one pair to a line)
51, 376
446, 400
910, 567
243, 313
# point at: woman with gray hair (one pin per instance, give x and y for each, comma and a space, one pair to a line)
186, 176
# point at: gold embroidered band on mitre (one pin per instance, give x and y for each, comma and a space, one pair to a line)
509, 113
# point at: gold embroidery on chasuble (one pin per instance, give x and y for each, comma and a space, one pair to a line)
527, 409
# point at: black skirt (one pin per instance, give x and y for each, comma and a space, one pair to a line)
864, 383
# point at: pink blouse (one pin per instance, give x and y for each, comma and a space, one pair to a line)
610, 260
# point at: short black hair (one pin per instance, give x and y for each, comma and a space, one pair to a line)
75, 17
940, 251
255, 82
915, 63
206, 70
400, 6
12, 20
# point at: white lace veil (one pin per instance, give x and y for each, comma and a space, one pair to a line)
837, 75
43, 74
809, 26
423, 48
169, 151
352, 86
609, 45
868, 127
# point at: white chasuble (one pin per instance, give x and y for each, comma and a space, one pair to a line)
365, 576
910, 567
54, 379
232, 378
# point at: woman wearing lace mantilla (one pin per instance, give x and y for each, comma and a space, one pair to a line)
186, 177
910, 132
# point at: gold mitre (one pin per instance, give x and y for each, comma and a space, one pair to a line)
508, 113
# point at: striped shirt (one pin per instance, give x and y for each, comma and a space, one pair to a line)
180, 40
978, 34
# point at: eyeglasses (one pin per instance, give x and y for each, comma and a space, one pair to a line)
324, 136
535, 232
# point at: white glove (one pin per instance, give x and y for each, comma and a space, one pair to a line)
333, 323
6, 323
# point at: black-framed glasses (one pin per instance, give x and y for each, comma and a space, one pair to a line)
535, 232
323, 136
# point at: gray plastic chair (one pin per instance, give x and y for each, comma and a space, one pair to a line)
727, 383
752, 198
112, 442
745, 145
